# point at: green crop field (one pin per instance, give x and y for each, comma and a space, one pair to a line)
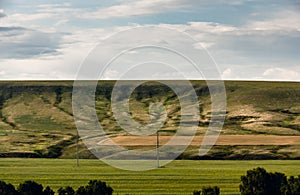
178, 177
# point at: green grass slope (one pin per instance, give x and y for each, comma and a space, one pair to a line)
36, 117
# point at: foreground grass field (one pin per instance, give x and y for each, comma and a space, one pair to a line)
178, 177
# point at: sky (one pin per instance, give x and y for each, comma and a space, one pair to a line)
248, 39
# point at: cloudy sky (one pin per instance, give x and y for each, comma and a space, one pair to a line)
248, 39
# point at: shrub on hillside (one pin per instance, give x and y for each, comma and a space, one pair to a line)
30, 188
197, 192
7, 189
211, 190
66, 191
95, 187
293, 186
48, 191
208, 191
260, 182
33, 188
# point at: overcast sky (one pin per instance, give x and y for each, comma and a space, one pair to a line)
248, 39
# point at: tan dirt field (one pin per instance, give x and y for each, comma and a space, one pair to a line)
222, 140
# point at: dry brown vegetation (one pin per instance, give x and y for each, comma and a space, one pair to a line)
36, 117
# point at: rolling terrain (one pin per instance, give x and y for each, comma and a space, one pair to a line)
36, 119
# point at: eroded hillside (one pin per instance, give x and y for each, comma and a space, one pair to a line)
36, 117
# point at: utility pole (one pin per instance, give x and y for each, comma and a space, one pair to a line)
77, 156
157, 148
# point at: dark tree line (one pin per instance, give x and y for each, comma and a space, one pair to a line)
94, 187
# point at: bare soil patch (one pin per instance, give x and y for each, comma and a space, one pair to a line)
197, 140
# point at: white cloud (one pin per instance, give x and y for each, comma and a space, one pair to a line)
281, 74
62, 22
283, 21
2, 13
266, 41
75, 47
211, 27
111, 74
31, 17
127, 8
227, 74
63, 10
50, 6
2, 72
17, 42
138, 7
43, 16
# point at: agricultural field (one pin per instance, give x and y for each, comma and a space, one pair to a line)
178, 177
